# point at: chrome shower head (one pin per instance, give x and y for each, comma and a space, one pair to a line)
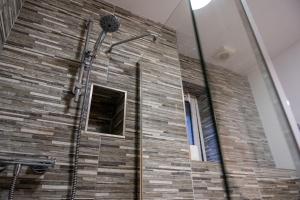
109, 23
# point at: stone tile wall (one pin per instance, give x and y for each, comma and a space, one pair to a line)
38, 66
240, 128
208, 181
193, 83
9, 11
38, 116
250, 169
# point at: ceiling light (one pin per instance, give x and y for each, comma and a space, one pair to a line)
197, 4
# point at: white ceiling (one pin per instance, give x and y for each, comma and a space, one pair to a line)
180, 20
278, 22
156, 10
219, 24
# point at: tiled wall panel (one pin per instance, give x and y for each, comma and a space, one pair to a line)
38, 66
208, 181
193, 83
9, 11
38, 116
250, 169
166, 165
242, 135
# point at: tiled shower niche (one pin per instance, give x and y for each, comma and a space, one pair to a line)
106, 111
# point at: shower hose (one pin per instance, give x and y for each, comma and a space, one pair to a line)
78, 131
14, 181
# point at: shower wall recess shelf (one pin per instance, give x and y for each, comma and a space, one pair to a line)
106, 111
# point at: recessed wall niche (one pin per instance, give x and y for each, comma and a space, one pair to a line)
106, 111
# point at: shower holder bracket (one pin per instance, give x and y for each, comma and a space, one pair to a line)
87, 60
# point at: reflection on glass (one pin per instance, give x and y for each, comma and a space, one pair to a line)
252, 125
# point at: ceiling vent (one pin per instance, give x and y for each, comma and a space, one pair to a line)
224, 53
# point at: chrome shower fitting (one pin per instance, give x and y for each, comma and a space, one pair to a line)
109, 24
78, 84
154, 38
32, 163
14, 181
3, 167
38, 166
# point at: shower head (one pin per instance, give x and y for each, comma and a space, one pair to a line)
109, 23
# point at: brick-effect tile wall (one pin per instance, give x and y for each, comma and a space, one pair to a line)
166, 166
242, 136
250, 169
193, 83
208, 181
38, 115
9, 11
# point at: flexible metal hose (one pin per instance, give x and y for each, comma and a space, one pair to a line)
82, 117
78, 136
14, 182
77, 95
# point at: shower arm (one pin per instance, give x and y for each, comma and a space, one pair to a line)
131, 39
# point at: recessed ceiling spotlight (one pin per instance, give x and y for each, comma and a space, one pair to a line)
197, 4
